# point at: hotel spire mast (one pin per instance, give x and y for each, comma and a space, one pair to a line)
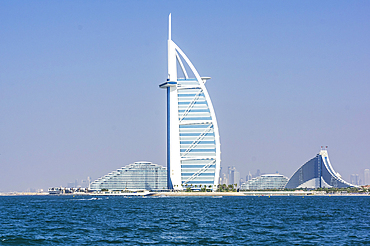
173, 146
172, 71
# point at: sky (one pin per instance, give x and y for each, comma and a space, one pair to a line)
79, 93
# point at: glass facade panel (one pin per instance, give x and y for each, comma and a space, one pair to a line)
197, 139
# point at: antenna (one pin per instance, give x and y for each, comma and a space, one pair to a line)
169, 27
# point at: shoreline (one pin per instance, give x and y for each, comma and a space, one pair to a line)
213, 194
193, 194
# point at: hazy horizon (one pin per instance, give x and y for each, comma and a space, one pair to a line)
79, 80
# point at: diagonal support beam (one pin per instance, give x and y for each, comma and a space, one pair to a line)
199, 172
197, 140
191, 104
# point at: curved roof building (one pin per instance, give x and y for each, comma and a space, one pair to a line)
136, 176
266, 182
317, 173
193, 142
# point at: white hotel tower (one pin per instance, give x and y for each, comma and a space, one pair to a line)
193, 141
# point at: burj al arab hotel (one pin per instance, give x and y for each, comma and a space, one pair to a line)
193, 141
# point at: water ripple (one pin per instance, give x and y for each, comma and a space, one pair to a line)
184, 221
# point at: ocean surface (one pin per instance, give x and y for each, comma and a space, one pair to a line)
80, 220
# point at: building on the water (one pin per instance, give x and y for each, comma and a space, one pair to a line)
317, 173
136, 176
193, 142
265, 182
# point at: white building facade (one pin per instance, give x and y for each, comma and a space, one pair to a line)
266, 182
193, 142
136, 176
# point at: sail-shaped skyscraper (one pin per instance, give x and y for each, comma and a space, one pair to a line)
193, 141
317, 173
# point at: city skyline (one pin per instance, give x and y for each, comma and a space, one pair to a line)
79, 84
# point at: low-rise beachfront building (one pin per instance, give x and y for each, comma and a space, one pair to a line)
136, 176
266, 182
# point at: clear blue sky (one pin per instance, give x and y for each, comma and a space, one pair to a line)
79, 83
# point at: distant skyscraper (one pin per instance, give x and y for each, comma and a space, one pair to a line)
237, 178
230, 175
354, 179
366, 177
258, 173
220, 176
233, 176
224, 179
249, 176
193, 142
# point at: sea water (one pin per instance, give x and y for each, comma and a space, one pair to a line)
81, 220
